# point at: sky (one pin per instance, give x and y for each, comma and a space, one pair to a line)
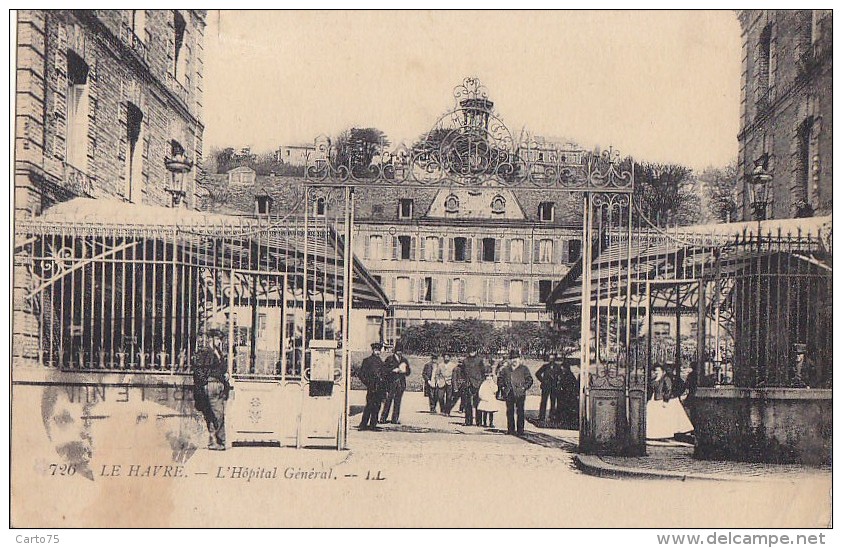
660, 86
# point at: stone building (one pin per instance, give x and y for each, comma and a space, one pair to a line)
439, 254
108, 105
786, 113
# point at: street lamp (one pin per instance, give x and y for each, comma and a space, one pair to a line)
759, 187
178, 165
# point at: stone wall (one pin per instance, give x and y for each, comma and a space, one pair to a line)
775, 425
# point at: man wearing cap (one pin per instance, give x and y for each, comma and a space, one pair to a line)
372, 374
211, 387
548, 375
473, 370
513, 381
397, 370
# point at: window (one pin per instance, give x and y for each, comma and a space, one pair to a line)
489, 249
404, 248
456, 291
574, 250
460, 249
498, 204
516, 250
374, 329
546, 211
764, 58
433, 248
545, 251
660, 329
806, 151
264, 205
319, 207
427, 289
375, 247
77, 112
139, 24
179, 60
516, 292
402, 289
545, 287
134, 155
451, 204
405, 208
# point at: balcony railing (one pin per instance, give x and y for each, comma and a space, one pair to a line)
134, 42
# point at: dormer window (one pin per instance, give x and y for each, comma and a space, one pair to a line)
263, 205
546, 211
405, 208
498, 204
451, 204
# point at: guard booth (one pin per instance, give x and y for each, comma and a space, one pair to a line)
124, 293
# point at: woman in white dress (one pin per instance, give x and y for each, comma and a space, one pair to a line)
665, 416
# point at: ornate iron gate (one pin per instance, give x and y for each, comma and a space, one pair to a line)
470, 146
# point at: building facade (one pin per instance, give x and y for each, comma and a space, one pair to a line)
786, 112
439, 254
106, 100
108, 105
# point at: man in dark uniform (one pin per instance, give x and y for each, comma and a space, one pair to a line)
547, 375
211, 386
397, 370
473, 370
372, 374
567, 386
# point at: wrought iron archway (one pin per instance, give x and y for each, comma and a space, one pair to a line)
470, 146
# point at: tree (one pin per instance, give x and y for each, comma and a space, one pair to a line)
666, 194
357, 147
718, 192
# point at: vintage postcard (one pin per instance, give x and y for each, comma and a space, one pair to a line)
422, 269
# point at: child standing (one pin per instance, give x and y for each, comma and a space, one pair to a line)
488, 403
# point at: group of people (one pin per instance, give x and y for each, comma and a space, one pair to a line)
559, 388
480, 390
385, 383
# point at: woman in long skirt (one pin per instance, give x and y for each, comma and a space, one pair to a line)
665, 416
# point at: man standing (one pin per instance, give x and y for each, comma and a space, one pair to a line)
473, 370
452, 374
514, 380
567, 386
547, 375
428, 375
397, 370
372, 374
211, 387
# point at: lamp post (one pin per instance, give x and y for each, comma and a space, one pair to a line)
759, 186
177, 165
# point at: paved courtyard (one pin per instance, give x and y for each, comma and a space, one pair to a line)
429, 471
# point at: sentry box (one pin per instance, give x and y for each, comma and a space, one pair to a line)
323, 370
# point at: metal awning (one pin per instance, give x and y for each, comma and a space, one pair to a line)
690, 254
207, 238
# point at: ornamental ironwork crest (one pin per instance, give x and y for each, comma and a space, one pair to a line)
471, 146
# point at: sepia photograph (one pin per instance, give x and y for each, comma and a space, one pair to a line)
422, 269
